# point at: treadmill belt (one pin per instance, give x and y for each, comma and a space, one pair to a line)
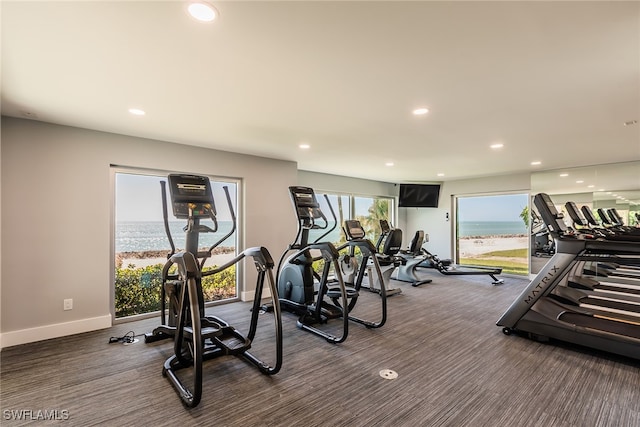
618, 289
601, 324
617, 305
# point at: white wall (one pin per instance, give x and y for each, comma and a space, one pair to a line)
341, 184
434, 220
56, 219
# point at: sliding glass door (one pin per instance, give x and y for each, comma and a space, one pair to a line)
493, 231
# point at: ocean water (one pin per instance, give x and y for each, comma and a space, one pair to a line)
150, 236
491, 228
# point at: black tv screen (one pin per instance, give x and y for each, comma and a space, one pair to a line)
419, 195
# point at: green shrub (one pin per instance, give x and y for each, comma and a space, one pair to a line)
137, 290
219, 286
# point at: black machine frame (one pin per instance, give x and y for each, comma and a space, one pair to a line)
302, 291
197, 336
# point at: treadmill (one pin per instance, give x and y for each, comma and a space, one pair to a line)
550, 308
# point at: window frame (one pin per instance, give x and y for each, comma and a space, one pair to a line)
114, 170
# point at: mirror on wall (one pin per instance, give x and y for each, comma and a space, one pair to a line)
601, 186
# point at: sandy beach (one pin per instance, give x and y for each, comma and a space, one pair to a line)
144, 259
469, 248
473, 246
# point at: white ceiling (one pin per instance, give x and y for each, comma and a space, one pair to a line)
553, 81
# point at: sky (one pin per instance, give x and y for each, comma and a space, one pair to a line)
139, 198
492, 208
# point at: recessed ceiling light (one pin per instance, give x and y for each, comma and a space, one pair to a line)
420, 111
497, 145
440, 174
536, 163
564, 175
389, 164
202, 11
137, 111
590, 186
304, 146
579, 181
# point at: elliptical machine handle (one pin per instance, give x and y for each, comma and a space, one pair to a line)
212, 216
233, 220
165, 217
324, 218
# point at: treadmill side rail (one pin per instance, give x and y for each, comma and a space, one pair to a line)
555, 269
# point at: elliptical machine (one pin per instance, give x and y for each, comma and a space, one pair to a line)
353, 273
198, 337
352, 270
316, 298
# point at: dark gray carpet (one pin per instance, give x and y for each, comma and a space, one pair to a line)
454, 366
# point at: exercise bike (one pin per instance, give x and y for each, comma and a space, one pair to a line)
411, 259
196, 336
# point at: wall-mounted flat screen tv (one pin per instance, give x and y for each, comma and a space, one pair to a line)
419, 195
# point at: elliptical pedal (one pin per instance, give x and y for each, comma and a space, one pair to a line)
335, 293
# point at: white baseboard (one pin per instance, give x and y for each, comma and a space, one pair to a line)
24, 336
248, 296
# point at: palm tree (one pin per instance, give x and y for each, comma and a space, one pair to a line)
378, 210
525, 216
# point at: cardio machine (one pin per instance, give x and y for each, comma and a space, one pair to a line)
386, 260
196, 336
354, 272
556, 303
316, 297
412, 258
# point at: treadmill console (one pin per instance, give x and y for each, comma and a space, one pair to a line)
588, 214
575, 214
550, 215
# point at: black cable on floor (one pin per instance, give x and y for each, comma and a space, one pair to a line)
128, 338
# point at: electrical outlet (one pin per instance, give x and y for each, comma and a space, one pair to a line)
68, 304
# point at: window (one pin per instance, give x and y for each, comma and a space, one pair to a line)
368, 210
493, 231
141, 245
